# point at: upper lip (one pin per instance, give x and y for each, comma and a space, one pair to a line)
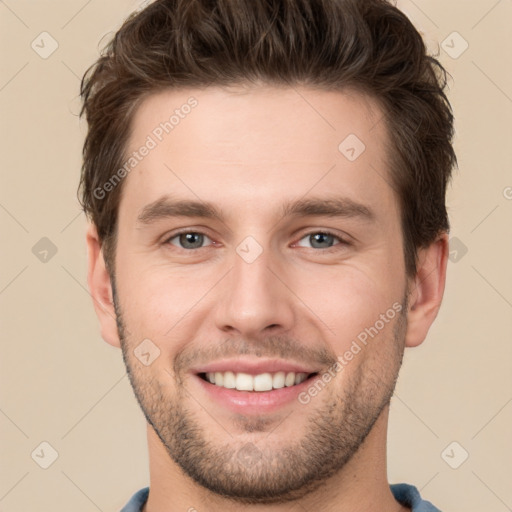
254, 367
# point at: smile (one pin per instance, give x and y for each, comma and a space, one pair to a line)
260, 382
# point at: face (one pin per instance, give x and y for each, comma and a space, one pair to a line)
258, 246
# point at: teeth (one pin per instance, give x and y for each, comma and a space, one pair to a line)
300, 377
262, 382
219, 377
290, 379
244, 382
229, 380
278, 380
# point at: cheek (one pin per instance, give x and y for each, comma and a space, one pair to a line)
156, 299
349, 301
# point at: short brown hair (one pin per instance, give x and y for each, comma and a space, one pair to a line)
327, 44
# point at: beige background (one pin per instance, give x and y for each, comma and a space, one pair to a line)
61, 384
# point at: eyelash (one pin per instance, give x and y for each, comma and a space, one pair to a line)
342, 241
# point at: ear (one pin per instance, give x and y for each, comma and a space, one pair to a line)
100, 287
426, 290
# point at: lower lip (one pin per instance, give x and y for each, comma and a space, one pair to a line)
254, 402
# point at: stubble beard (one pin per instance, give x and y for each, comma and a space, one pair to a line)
271, 470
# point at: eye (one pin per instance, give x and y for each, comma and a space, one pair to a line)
188, 240
321, 240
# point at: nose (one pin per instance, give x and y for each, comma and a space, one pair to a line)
254, 299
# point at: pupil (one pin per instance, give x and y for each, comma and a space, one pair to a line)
187, 240
321, 238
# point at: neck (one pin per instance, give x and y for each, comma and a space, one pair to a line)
361, 485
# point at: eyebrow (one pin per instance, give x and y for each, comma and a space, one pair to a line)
165, 207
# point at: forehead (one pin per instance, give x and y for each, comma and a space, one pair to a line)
242, 112
247, 144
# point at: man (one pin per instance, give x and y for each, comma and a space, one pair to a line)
266, 187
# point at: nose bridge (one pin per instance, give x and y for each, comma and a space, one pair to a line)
253, 298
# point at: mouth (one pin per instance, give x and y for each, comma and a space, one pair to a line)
254, 386
259, 383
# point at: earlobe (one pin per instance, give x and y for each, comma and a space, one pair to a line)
100, 288
426, 290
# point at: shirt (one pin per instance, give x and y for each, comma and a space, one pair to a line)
405, 494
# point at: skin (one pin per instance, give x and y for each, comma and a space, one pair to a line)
250, 150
